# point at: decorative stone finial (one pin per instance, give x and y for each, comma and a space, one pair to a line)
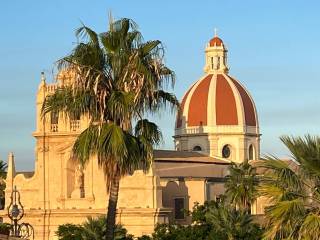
11, 171
43, 77
215, 32
10, 155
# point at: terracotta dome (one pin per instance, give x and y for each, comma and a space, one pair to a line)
218, 116
216, 42
217, 100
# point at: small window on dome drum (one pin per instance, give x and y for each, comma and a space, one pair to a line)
226, 151
197, 148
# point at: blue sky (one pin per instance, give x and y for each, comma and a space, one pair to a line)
274, 51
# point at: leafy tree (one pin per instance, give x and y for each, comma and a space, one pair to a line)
293, 191
241, 185
118, 78
230, 223
92, 229
5, 228
212, 221
144, 237
69, 232
178, 232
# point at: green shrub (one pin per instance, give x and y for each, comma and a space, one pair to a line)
212, 221
5, 228
69, 232
92, 229
144, 237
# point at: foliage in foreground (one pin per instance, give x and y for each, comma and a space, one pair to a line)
92, 229
212, 221
5, 228
294, 192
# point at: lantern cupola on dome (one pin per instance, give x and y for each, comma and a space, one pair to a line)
216, 56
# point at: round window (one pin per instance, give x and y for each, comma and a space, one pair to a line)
226, 151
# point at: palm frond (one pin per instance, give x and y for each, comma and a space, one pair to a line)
149, 132
150, 47
284, 219
71, 103
271, 191
119, 105
3, 169
310, 229
85, 32
279, 173
305, 150
161, 99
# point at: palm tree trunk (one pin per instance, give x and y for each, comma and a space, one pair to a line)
112, 206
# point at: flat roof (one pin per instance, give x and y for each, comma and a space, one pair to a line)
186, 157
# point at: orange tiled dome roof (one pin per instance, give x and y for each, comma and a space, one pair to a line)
216, 42
217, 99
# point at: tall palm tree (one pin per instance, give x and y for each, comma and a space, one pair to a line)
241, 185
294, 191
118, 79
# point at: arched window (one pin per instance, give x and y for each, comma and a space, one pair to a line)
54, 117
251, 152
197, 148
226, 151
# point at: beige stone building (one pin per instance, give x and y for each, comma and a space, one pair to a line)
218, 124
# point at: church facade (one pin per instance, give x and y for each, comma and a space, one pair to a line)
217, 125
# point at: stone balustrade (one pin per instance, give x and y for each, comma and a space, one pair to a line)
54, 127
51, 88
74, 125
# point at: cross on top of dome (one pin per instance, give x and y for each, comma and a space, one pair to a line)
216, 41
